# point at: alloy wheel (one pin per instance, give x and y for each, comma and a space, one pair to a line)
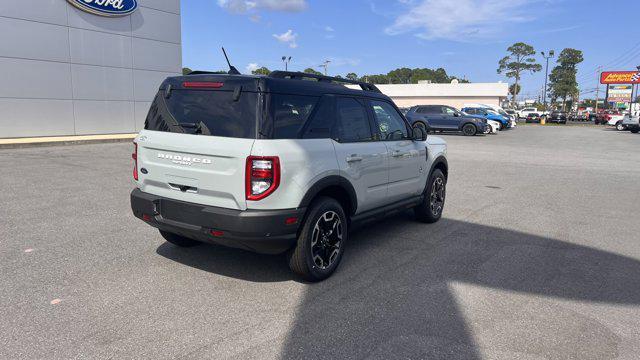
436, 198
326, 240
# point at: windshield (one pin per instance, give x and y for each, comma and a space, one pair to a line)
205, 112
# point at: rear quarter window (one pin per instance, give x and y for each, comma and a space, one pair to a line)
290, 113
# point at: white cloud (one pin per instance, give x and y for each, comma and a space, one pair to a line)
460, 19
252, 67
288, 37
329, 29
243, 6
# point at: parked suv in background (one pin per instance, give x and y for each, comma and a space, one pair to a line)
558, 117
280, 163
445, 118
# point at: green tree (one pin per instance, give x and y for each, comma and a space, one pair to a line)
261, 71
376, 79
352, 76
519, 60
312, 71
186, 71
562, 80
400, 76
514, 89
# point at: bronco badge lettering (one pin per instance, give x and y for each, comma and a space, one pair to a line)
184, 160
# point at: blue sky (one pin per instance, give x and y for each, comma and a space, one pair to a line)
466, 37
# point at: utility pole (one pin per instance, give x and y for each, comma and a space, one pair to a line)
325, 65
599, 72
286, 61
546, 76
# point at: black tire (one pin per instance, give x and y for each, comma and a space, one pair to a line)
635, 131
469, 130
178, 240
430, 210
421, 125
318, 250
619, 126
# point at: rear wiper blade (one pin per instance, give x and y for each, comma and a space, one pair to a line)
199, 128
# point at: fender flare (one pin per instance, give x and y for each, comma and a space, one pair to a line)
332, 180
440, 160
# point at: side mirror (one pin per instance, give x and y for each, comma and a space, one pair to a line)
419, 134
456, 114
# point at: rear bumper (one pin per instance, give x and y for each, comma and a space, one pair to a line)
263, 231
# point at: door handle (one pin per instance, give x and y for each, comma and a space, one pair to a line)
354, 158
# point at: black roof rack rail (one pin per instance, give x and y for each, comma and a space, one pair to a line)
322, 78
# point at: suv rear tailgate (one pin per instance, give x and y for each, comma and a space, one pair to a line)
206, 170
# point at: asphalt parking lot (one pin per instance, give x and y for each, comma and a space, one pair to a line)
537, 257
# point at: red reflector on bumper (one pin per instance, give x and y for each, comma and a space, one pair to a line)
291, 221
217, 233
146, 217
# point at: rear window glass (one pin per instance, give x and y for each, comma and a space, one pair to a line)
290, 112
205, 112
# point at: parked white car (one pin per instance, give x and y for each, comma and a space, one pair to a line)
211, 166
615, 120
522, 114
629, 123
493, 128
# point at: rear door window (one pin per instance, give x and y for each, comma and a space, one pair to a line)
431, 109
205, 112
352, 123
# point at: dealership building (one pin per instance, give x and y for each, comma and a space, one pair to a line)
455, 94
74, 67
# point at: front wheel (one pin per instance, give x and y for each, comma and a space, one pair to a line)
430, 210
321, 241
619, 126
469, 130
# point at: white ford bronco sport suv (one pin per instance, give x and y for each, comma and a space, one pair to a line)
281, 163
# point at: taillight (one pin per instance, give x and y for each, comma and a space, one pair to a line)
262, 176
134, 156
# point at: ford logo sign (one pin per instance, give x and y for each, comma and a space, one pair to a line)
106, 7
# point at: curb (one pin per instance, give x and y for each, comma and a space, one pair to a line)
64, 141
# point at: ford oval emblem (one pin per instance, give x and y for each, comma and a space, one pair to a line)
106, 7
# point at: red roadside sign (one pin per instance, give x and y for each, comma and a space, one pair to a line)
620, 77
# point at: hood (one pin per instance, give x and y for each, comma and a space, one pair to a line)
435, 140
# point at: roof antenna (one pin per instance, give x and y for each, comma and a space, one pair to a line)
232, 69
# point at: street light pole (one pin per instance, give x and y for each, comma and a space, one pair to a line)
546, 76
633, 86
286, 61
325, 65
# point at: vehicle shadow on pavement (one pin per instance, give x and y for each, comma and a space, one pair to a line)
229, 262
456, 290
